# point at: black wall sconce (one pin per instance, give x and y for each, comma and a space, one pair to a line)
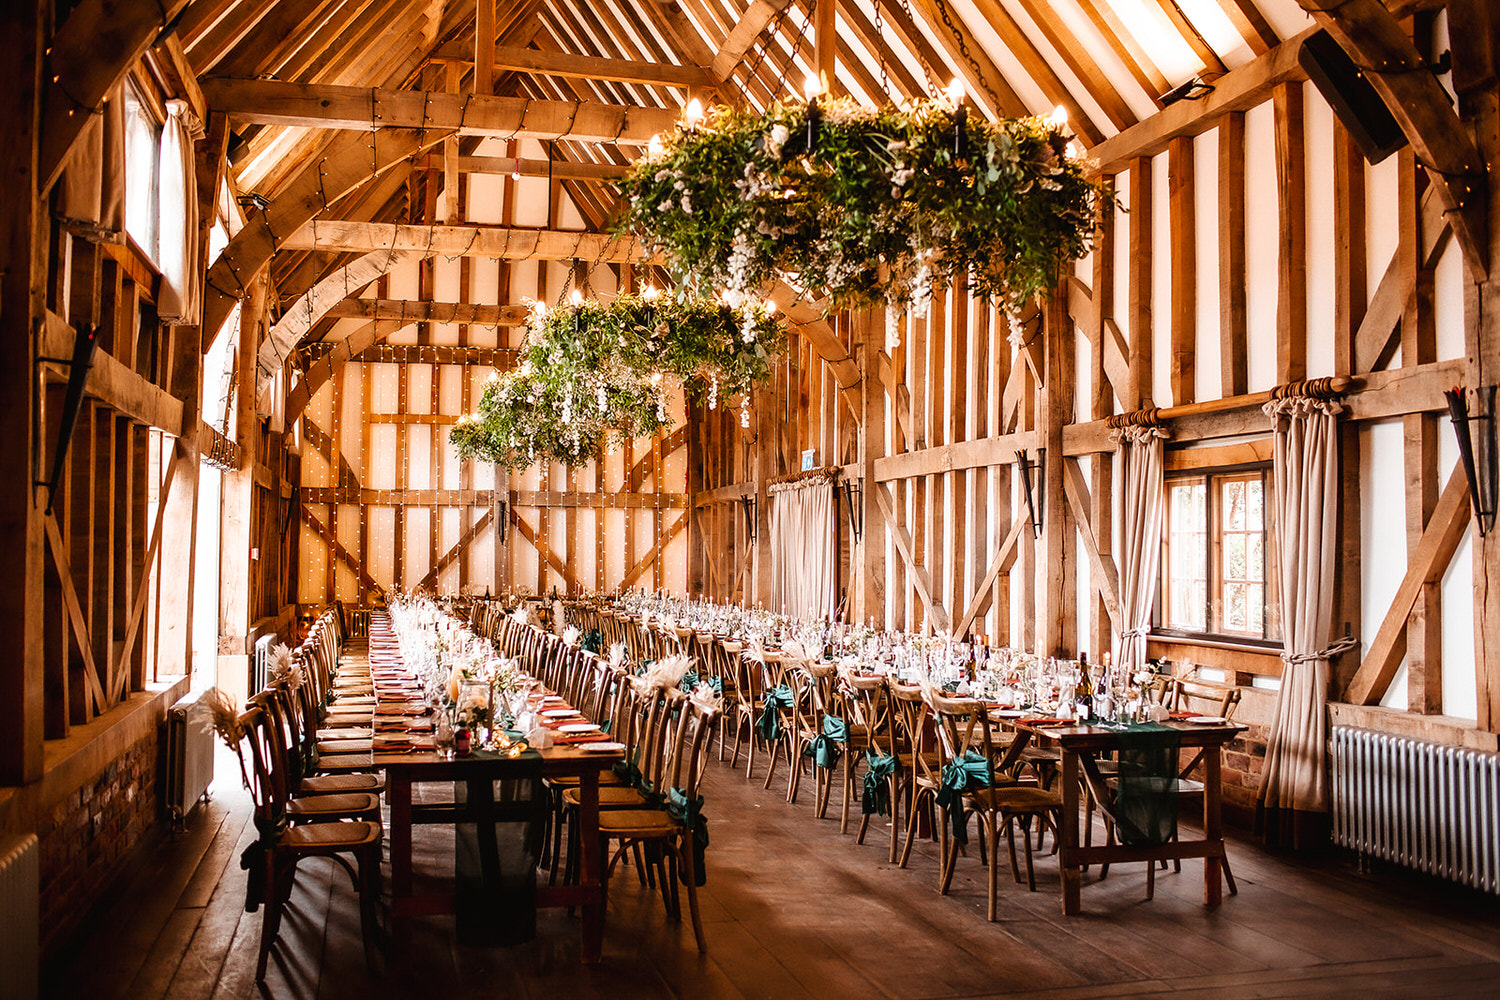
749, 503
852, 493
1032, 491
1478, 459
79, 364
502, 518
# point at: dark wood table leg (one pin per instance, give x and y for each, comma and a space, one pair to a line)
592, 873
1213, 830
398, 794
1072, 875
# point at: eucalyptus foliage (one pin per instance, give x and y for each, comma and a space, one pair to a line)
592, 375
866, 205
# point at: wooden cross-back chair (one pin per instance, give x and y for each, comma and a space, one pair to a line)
963, 728
284, 844
671, 829
870, 710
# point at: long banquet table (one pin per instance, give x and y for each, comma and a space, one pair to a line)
408, 761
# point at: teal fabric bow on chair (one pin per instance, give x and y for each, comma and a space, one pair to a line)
877, 794
593, 642
253, 859
769, 723
826, 747
690, 816
960, 775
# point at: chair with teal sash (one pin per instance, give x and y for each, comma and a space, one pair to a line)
973, 777
677, 828
869, 711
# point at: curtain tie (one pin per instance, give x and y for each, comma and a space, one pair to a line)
1348, 642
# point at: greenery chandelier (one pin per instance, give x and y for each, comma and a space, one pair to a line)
867, 206
595, 374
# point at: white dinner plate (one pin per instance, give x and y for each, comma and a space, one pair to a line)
559, 713
1009, 713
578, 727
601, 747
1207, 720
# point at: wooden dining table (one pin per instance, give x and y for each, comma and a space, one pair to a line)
1079, 748
478, 771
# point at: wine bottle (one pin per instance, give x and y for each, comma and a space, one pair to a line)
1083, 696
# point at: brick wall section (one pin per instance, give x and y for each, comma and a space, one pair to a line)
1244, 760
87, 838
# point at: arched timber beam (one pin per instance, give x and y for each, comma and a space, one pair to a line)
350, 347
311, 307
811, 325
98, 42
357, 158
1379, 47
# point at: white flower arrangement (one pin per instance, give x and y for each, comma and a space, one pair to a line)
667, 672
571, 635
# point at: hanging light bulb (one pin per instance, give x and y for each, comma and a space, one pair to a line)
813, 87
955, 92
693, 113
576, 297
770, 307
655, 147
650, 293
515, 173
1059, 117
1075, 151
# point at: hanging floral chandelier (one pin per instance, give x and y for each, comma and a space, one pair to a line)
867, 206
593, 374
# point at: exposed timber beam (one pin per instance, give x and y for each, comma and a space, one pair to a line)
509, 59
466, 241
310, 105
412, 311
743, 35
1238, 90
1379, 45
418, 354
566, 170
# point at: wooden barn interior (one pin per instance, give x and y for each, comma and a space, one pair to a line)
258, 258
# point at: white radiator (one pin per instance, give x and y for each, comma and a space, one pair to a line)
190, 754
1423, 805
20, 913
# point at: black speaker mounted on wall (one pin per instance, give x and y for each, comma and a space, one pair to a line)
1356, 103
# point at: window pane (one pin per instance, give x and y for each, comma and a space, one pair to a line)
1187, 569
1255, 505
1241, 570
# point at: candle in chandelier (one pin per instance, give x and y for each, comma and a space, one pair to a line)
812, 88
1059, 117
960, 115
576, 298
693, 113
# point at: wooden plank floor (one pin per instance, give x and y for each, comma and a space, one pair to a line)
795, 910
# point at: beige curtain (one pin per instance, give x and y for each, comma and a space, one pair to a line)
804, 548
177, 204
91, 190
1294, 788
1140, 449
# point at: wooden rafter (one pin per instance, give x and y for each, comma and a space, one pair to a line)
508, 59
469, 241
271, 102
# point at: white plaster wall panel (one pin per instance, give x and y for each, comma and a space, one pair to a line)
347, 583
1321, 241
484, 287
1449, 284
1161, 283
312, 562
352, 419
1262, 234
1396, 696
614, 548
480, 554
405, 335
1208, 380
419, 388
1083, 381
486, 194
381, 474
418, 557
523, 281
448, 531
315, 469
1459, 686
404, 281
320, 406
1382, 214
385, 387
1121, 269
382, 531
1382, 523
419, 445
